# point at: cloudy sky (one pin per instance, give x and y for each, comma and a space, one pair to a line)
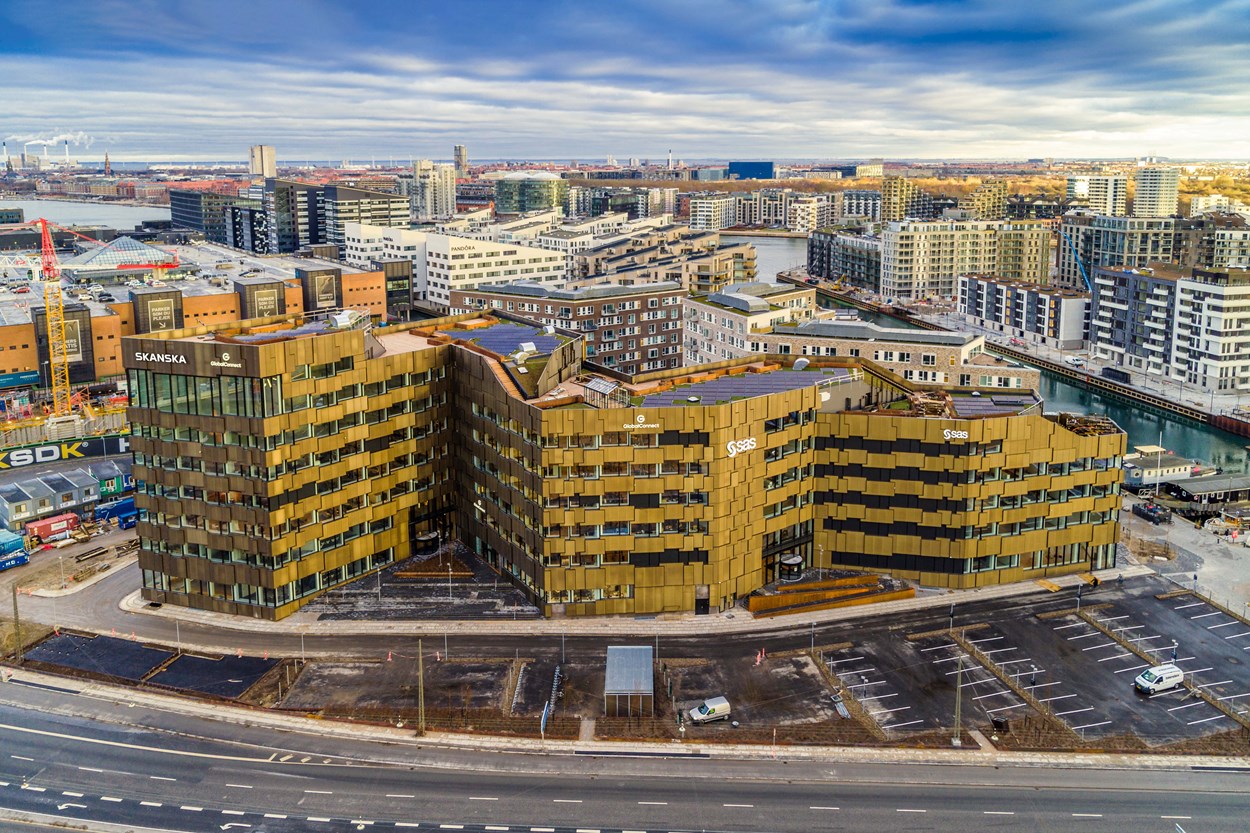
785, 79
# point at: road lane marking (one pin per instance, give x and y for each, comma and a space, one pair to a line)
89, 769
997, 813
399, 795
542, 830
22, 758
482, 798
587, 830
232, 812
67, 793
110, 798
191, 809
566, 801
451, 827
365, 822
319, 792
747, 806
240, 786
411, 824
161, 778
904, 810
1176, 817
135, 746
150, 804
33, 788
317, 818
492, 827
1087, 815
823, 808
656, 803
274, 816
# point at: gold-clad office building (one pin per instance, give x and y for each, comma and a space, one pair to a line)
280, 457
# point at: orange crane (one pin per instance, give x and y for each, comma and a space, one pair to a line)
63, 399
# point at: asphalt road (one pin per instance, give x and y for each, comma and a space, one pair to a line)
62, 756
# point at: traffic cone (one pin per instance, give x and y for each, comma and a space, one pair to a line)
239, 652
388, 656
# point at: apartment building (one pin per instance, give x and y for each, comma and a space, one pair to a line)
282, 457
433, 191
854, 257
1048, 316
630, 329
988, 201
924, 259
1189, 325
856, 205
1217, 203
807, 213
1156, 192
441, 262
902, 199
713, 212
206, 211
1102, 194
772, 319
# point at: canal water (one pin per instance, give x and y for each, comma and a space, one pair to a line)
69, 212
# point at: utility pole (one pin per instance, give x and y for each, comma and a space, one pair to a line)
421, 687
17, 631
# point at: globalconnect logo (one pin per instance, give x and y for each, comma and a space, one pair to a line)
224, 361
640, 422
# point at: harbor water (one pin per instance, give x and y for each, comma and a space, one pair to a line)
70, 213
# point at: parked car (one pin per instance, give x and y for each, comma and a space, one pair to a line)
714, 708
1074, 361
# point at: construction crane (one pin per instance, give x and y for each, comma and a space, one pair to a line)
63, 399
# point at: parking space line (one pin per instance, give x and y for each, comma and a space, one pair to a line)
1043, 685
1192, 604
1073, 625
1098, 647
877, 697
1196, 670
1144, 638
1111, 619
1208, 685
948, 659
1005, 708
987, 639
1233, 696
1205, 615
1116, 656
848, 659
997, 651
1225, 625
1205, 720
994, 694
1075, 711
1014, 661
901, 725
1238, 635
1091, 725
1187, 706
1084, 636
939, 647
892, 711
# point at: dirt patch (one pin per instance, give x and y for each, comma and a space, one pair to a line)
31, 633
364, 687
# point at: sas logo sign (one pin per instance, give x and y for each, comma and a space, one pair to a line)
736, 447
949, 435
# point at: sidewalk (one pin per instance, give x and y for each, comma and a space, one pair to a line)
736, 621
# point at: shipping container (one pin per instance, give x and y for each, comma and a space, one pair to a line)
49, 529
14, 560
115, 509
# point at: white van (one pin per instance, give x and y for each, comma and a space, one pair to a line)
715, 708
1074, 361
1159, 678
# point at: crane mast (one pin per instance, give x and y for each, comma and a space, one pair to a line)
54, 308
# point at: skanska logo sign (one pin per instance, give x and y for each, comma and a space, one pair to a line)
162, 358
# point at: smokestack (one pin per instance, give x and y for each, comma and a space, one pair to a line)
670, 159
67, 153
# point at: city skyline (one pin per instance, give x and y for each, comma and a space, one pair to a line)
192, 80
